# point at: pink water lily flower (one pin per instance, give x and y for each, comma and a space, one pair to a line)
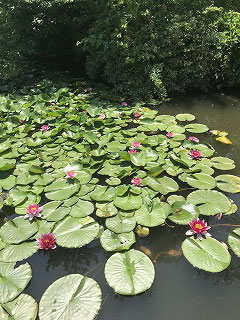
132, 151
124, 104
85, 111
198, 227
136, 181
195, 139
136, 145
33, 210
136, 115
102, 116
170, 134
47, 241
71, 174
45, 127
119, 115
195, 154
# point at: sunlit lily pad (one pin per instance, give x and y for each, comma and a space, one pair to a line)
234, 241
209, 202
223, 163
201, 181
129, 202
18, 252
119, 224
81, 209
111, 241
106, 210
185, 117
163, 185
71, 297
13, 280
103, 194
152, 215
74, 232
183, 212
129, 273
207, 254
228, 183
23, 307
196, 128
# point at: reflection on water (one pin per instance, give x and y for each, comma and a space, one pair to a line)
180, 291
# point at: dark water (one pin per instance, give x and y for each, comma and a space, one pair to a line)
180, 291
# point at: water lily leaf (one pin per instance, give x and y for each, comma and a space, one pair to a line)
82, 209
7, 164
13, 281
43, 227
175, 129
163, 185
233, 209
18, 230
115, 146
183, 212
53, 212
224, 139
8, 183
23, 307
129, 202
196, 128
223, 163
129, 273
201, 181
138, 159
113, 181
152, 215
209, 202
106, 210
4, 146
228, 183
173, 198
120, 224
207, 254
74, 232
18, 252
61, 190
111, 241
71, 297
103, 194
83, 176
185, 117
234, 241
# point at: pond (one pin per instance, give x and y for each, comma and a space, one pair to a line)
179, 291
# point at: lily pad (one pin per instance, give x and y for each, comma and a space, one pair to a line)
103, 194
185, 117
223, 163
196, 128
23, 307
163, 185
18, 230
119, 224
201, 181
13, 281
129, 202
207, 254
152, 215
228, 183
234, 241
209, 202
75, 233
18, 252
81, 209
183, 212
71, 297
129, 273
106, 210
111, 241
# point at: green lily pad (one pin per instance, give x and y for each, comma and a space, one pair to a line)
153, 214
234, 241
183, 212
13, 281
8, 183
223, 163
163, 185
207, 254
18, 252
23, 307
228, 183
18, 230
75, 233
103, 194
81, 209
129, 273
196, 128
209, 202
129, 202
61, 190
53, 212
201, 181
111, 241
106, 210
185, 117
71, 297
120, 224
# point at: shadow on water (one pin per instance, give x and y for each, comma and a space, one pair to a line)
180, 291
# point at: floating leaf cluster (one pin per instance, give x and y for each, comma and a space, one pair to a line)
99, 171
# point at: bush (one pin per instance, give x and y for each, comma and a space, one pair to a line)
141, 48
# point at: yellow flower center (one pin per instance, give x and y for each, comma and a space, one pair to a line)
33, 210
46, 240
199, 226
